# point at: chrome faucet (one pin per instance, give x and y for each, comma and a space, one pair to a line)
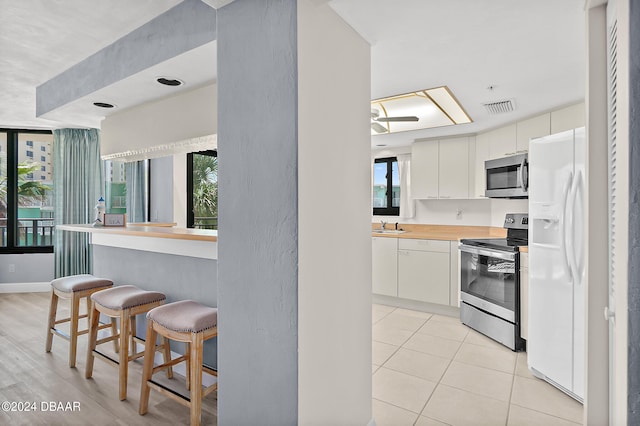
382, 224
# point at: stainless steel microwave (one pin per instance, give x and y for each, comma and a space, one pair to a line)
507, 177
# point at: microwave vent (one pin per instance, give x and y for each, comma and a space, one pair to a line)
500, 107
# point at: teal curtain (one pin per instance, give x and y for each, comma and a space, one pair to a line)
77, 185
135, 175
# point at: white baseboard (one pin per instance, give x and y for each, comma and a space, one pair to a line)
25, 287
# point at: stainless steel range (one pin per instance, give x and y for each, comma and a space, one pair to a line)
490, 283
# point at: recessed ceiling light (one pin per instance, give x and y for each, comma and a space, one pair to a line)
167, 81
103, 105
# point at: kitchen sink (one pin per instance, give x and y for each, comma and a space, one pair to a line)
388, 231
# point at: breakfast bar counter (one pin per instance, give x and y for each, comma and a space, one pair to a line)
158, 238
181, 263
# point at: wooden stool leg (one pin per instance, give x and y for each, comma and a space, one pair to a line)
196, 378
88, 310
188, 363
114, 332
149, 351
53, 309
124, 353
73, 326
134, 346
166, 355
94, 320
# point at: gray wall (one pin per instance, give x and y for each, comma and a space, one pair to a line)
179, 277
29, 268
633, 393
161, 194
257, 240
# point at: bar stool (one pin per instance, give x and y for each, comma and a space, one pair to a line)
123, 302
189, 322
74, 288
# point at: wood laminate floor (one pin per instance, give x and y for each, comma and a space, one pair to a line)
28, 375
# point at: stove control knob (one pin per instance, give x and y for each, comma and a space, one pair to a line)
509, 220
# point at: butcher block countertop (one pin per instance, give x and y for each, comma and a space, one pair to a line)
146, 230
440, 232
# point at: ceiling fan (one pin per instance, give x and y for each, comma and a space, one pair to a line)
376, 120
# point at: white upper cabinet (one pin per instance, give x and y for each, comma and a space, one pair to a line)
568, 118
502, 141
454, 168
482, 155
424, 170
532, 128
440, 169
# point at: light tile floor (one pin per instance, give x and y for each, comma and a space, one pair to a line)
432, 370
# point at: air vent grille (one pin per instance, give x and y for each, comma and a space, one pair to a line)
500, 107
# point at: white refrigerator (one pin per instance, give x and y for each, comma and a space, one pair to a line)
556, 344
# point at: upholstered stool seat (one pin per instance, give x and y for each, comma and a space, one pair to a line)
189, 322
126, 297
185, 316
74, 288
74, 283
123, 302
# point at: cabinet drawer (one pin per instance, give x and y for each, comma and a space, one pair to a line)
424, 245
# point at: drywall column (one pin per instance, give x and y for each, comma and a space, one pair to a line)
633, 392
596, 229
294, 295
334, 188
258, 213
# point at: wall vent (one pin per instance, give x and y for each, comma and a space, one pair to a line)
499, 107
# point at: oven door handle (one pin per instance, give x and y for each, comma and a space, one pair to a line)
488, 253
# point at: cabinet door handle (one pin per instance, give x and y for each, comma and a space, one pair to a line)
431, 196
445, 196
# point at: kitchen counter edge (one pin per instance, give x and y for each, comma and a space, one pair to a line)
162, 231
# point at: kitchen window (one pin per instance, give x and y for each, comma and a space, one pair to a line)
202, 190
386, 187
26, 198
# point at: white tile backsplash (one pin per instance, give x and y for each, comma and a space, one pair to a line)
480, 212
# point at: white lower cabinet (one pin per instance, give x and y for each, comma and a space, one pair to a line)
423, 270
385, 266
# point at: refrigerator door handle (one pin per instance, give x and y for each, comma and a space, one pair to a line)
575, 268
565, 247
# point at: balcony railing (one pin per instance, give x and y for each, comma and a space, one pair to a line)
205, 222
32, 232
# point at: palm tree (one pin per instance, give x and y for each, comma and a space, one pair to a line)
29, 191
205, 186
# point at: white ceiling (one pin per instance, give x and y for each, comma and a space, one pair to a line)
531, 51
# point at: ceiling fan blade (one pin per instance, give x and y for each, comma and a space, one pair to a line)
378, 127
388, 119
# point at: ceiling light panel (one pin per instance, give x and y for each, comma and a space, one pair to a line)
449, 104
424, 109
